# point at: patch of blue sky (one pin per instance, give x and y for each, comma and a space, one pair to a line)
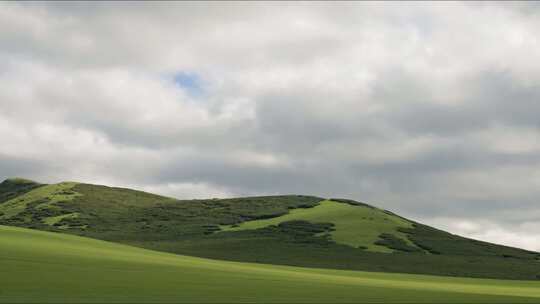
190, 82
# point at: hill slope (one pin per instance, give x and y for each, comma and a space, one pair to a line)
287, 230
13, 187
352, 225
44, 267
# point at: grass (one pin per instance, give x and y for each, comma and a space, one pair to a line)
45, 196
304, 231
52, 220
356, 226
45, 267
14, 187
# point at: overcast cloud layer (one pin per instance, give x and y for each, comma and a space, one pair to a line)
430, 110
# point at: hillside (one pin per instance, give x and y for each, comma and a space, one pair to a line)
285, 230
44, 267
14, 187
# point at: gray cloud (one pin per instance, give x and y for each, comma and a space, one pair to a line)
429, 110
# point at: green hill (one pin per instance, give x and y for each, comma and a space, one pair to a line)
352, 225
44, 267
14, 187
292, 230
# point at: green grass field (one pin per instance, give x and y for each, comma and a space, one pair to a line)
42, 267
289, 230
353, 225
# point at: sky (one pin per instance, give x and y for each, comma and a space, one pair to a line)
430, 110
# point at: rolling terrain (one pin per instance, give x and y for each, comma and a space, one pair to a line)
45, 267
358, 227
293, 230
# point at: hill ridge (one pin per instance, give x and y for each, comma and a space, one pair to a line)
297, 230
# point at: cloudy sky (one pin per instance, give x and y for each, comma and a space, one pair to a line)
429, 110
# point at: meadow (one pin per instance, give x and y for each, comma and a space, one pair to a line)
352, 225
47, 267
289, 230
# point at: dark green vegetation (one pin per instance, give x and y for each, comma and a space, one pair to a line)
44, 267
285, 230
14, 187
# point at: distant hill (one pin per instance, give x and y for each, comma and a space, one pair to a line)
294, 230
13, 187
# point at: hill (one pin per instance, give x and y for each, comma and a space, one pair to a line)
44, 267
290, 230
14, 187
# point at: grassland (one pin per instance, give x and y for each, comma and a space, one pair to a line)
294, 230
44, 267
13, 187
356, 226
44, 197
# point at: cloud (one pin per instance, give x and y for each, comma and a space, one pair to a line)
521, 235
428, 110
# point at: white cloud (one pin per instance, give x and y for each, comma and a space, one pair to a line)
522, 235
189, 190
424, 109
